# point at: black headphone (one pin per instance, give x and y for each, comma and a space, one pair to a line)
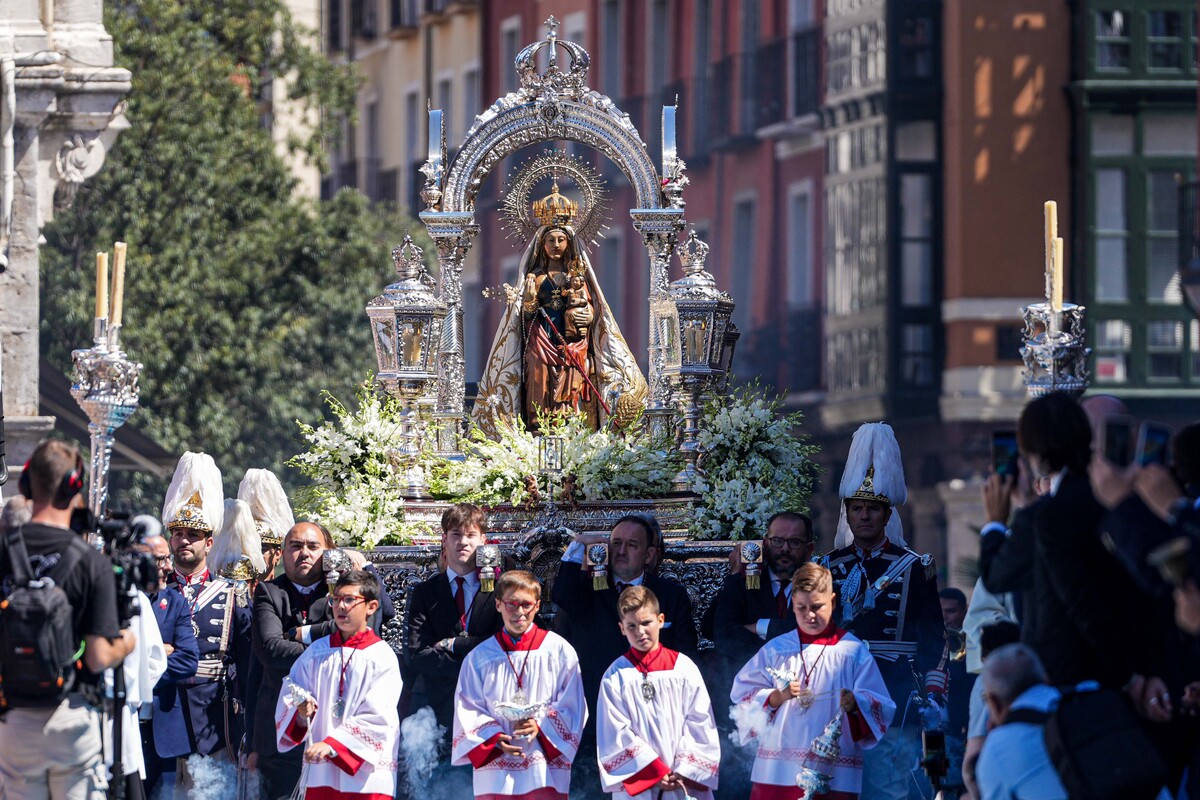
68, 487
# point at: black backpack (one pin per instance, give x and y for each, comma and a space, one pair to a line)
1099, 746
38, 647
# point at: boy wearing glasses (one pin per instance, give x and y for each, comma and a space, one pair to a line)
349, 730
519, 708
800, 681
654, 721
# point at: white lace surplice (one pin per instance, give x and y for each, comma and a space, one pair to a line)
784, 741
551, 676
366, 739
673, 732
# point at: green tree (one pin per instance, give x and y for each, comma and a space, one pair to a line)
243, 301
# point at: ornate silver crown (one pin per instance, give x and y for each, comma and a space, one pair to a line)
571, 82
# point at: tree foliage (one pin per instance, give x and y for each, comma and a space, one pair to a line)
243, 301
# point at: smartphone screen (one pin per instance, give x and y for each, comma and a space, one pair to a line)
1004, 453
1153, 439
1119, 439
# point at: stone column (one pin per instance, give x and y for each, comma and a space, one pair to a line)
68, 114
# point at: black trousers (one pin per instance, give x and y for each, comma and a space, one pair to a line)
280, 772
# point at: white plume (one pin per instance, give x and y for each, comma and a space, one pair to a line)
238, 539
196, 473
268, 502
874, 445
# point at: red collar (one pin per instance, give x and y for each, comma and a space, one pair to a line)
831, 635
660, 659
530, 640
359, 641
194, 579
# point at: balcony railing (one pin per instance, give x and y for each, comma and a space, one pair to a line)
364, 22
806, 72
387, 189
347, 173
371, 179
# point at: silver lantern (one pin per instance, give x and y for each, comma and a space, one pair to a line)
706, 338
406, 324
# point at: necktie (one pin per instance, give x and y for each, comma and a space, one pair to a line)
460, 600
621, 586
781, 601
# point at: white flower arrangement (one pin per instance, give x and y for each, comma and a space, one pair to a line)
354, 491
753, 466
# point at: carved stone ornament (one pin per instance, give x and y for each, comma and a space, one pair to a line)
78, 159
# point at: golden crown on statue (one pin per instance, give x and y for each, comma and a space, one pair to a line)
554, 209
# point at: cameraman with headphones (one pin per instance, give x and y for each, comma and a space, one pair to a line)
50, 746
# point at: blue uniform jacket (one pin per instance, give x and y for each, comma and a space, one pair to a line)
175, 624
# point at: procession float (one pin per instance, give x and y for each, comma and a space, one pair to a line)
566, 434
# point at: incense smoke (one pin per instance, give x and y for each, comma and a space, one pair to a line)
211, 778
420, 743
751, 719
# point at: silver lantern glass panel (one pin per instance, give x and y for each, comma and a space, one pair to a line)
406, 325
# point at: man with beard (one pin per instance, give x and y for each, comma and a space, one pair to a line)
287, 618
201, 715
888, 597
742, 618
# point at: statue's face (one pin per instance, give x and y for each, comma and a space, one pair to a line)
555, 244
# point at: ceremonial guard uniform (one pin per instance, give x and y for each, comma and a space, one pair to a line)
888, 597
205, 714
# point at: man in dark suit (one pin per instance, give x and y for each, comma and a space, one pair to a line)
174, 620
744, 618
287, 618
448, 615
595, 624
1068, 616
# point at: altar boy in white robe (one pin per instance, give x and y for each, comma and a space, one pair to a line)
519, 708
350, 727
802, 680
656, 738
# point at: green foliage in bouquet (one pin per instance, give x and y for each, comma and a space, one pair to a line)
607, 465
754, 465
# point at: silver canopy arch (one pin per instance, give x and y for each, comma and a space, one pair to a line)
551, 105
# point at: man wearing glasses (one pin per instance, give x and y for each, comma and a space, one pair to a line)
174, 620
741, 618
287, 618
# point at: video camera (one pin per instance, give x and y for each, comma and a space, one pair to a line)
133, 570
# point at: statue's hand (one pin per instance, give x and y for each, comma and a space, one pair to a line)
581, 317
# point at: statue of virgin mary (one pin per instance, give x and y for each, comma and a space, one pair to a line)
558, 348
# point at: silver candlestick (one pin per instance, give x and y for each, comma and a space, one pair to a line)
1055, 352
105, 385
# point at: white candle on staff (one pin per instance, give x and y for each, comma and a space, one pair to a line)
1056, 296
101, 285
1051, 215
118, 296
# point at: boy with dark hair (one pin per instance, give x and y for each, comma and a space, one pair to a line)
654, 725
519, 707
341, 702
